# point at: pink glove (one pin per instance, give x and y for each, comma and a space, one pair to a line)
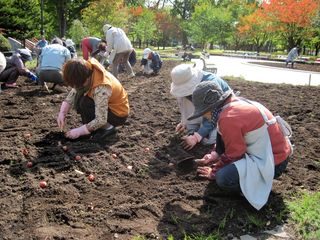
180, 127
77, 132
208, 159
64, 109
190, 141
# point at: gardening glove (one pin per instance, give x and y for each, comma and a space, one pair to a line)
190, 141
206, 172
180, 128
64, 109
207, 159
77, 132
33, 77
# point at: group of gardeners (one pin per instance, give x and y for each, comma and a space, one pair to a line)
250, 146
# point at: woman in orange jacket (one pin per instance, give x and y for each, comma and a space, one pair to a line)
97, 96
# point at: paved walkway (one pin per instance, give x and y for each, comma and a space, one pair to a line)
240, 67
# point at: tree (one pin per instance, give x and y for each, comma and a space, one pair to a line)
20, 18
78, 31
167, 27
144, 28
183, 9
255, 28
101, 12
237, 9
291, 18
209, 23
59, 14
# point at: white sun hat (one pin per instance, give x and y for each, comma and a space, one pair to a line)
69, 42
146, 53
106, 27
185, 78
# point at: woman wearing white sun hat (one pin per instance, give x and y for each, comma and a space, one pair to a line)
185, 78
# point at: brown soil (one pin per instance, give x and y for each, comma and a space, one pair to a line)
297, 66
153, 199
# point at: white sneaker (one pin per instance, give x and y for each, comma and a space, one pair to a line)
132, 75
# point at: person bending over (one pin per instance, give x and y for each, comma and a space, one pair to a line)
185, 77
151, 62
97, 96
15, 67
252, 148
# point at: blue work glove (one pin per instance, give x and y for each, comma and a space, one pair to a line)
33, 77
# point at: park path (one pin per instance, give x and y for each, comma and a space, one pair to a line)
240, 67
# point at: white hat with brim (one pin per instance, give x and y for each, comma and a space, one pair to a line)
185, 78
208, 96
146, 53
69, 43
106, 27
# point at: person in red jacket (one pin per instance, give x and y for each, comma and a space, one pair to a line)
251, 148
97, 96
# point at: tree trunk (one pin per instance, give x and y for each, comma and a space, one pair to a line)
317, 49
184, 39
291, 43
61, 10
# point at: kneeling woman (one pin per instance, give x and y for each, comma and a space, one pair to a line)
97, 96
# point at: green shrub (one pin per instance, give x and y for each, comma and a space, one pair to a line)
4, 44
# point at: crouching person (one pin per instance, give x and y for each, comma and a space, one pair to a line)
97, 96
185, 78
151, 62
51, 61
251, 148
15, 67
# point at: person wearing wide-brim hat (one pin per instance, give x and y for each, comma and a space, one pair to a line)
185, 77
251, 148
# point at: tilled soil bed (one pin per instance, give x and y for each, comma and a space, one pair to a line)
136, 190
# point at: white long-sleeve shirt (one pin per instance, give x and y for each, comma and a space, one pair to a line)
117, 41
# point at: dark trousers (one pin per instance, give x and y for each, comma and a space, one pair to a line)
9, 75
86, 109
53, 76
227, 178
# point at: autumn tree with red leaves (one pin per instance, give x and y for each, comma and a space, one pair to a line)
167, 28
255, 29
292, 19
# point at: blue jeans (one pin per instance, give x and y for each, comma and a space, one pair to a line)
227, 178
